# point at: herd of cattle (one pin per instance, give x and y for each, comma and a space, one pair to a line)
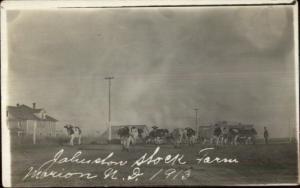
218, 135
179, 136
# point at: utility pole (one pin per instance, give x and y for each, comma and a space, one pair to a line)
196, 122
34, 131
109, 113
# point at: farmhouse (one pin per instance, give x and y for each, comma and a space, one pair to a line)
25, 120
115, 128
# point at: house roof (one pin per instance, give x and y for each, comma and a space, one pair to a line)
24, 112
49, 118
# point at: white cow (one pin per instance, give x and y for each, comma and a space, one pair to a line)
179, 136
73, 132
245, 136
193, 140
224, 136
134, 134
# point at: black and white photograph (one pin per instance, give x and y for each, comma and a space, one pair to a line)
186, 94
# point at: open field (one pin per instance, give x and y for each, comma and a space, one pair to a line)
261, 164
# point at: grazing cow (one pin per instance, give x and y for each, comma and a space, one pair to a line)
191, 136
150, 139
224, 136
216, 136
142, 135
161, 135
233, 135
156, 136
242, 136
73, 132
247, 136
124, 135
178, 136
134, 134
128, 136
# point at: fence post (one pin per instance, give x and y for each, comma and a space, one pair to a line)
34, 132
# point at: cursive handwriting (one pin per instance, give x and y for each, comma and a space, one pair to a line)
113, 173
208, 160
155, 160
41, 174
75, 159
45, 169
172, 174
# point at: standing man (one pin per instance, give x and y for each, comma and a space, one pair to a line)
266, 135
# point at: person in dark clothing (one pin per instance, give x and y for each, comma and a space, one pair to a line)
266, 135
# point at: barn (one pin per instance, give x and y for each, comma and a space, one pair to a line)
206, 132
114, 132
23, 120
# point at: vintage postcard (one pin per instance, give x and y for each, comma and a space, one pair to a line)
149, 93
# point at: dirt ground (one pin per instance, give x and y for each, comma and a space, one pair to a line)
257, 164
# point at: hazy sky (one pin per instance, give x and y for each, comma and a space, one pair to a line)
234, 64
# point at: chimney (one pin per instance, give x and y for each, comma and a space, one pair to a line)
18, 105
33, 105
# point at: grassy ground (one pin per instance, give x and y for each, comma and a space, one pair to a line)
260, 164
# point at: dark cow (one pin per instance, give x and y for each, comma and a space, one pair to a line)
216, 138
191, 135
123, 132
224, 136
140, 131
127, 136
156, 136
124, 135
233, 135
162, 132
